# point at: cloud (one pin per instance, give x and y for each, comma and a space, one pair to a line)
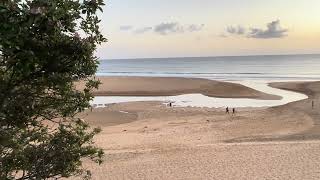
239, 30
194, 27
143, 30
175, 27
167, 28
164, 28
274, 30
126, 28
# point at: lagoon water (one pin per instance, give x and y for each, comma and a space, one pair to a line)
199, 100
252, 71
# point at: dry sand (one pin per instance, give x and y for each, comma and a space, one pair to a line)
147, 140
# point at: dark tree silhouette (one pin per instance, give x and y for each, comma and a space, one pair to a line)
45, 47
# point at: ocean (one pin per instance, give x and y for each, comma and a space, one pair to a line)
229, 68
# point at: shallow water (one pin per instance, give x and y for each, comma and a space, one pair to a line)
199, 100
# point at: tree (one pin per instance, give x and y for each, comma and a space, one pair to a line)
45, 47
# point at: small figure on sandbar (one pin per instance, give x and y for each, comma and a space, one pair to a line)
312, 104
227, 110
233, 110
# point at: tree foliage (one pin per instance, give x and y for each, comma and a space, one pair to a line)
45, 47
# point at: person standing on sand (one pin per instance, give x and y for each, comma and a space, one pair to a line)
312, 104
233, 110
227, 110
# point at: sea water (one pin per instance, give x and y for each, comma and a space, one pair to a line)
271, 67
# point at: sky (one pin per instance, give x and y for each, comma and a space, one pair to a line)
197, 28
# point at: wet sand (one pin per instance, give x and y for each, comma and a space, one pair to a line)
147, 140
172, 86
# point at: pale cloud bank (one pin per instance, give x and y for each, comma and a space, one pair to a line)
239, 30
273, 30
126, 28
143, 30
165, 28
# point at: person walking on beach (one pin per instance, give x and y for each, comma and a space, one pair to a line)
233, 110
227, 110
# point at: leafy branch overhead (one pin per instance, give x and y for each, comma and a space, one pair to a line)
45, 47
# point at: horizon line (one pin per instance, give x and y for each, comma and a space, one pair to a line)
181, 57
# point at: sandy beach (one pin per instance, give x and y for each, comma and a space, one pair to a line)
148, 140
170, 86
